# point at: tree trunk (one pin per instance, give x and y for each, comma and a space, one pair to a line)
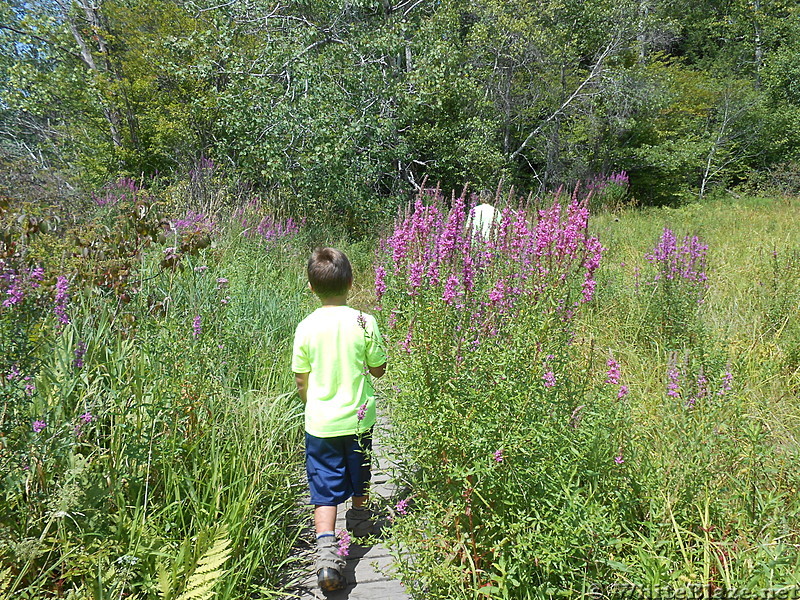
110, 112
758, 50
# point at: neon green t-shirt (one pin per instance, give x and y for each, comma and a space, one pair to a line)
335, 345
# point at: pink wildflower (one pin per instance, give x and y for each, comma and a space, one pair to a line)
344, 543
402, 507
380, 282
613, 371
197, 326
450, 289
726, 387
62, 299
549, 379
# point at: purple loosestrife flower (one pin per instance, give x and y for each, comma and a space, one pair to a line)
549, 379
271, 229
468, 272
498, 455
727, 380
362, 412
30, 388
380, 282
36, 276
193, 222
571, 235
521, 236
13, 373
618, 459
399, 242
620, 178
62, 299
662, 253
623, 391
197, 326
702, 385
450, 289
613, 371
498, 293
673, 379
362, 321
504, 233
80, 352
594, 254
587, 289
15, 294
415, 277
406, 344
344, 544
685, 262
402, 507
38, 426
451, 237
87, 417
546, 228
222, 283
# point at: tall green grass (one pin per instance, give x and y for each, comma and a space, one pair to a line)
170, 466
718, 477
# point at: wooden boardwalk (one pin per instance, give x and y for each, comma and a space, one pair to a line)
369, 568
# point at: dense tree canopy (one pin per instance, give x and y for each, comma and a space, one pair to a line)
340, 104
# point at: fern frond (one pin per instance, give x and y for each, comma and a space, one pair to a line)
164, 581
5, 581
209, 569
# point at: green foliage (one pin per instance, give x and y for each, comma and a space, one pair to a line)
687, 482
507, 437
348, 106
141, 444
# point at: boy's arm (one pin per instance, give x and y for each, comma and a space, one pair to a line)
301, 379
378, 371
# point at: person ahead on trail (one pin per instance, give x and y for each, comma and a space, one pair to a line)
482, 218
336, 350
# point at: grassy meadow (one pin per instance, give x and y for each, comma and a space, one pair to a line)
151, 442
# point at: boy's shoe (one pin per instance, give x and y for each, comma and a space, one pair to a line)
329, 565
360, 522
330, 580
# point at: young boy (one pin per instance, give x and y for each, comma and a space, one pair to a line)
336, 349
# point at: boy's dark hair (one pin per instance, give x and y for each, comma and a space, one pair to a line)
329, 272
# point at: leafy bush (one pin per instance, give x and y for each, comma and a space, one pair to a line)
513, 450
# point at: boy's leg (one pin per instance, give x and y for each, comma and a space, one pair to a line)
359, 520
325, 466
324, 518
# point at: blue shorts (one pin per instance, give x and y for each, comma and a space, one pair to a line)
338, 468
